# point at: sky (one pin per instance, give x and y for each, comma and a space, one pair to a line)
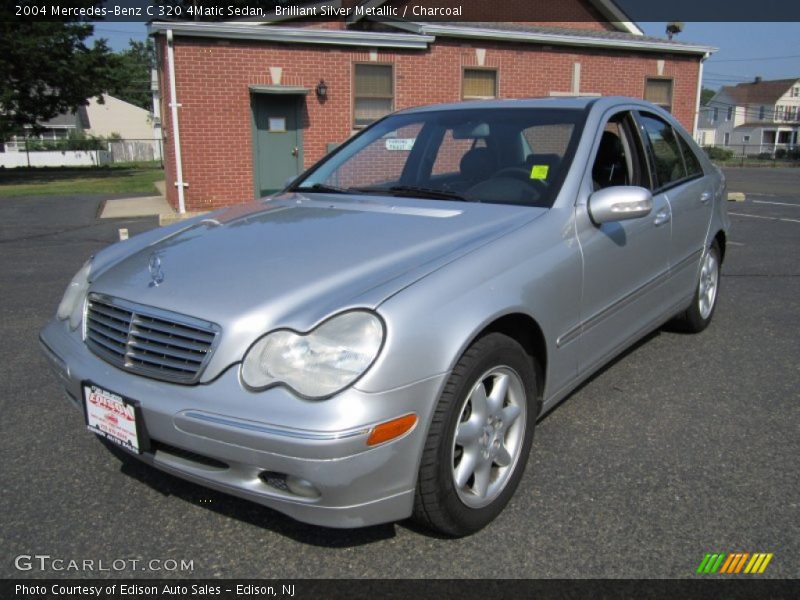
769, 50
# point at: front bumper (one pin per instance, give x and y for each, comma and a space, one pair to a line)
239, 442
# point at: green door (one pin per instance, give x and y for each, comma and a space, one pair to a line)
278, 151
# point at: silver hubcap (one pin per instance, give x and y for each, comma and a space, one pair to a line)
489, 435
707, 291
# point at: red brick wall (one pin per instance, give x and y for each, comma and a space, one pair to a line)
215, 117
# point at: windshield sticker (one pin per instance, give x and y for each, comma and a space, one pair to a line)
539, 171
400, 143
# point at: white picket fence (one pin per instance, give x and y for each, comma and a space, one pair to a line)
55, 158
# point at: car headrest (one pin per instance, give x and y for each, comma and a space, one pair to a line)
478, 163
609, 168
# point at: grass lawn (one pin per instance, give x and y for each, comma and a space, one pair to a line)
117, 179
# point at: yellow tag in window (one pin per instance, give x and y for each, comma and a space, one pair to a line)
540, 171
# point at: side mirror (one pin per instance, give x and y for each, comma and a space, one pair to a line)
620, 203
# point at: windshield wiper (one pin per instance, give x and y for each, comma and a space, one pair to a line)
325, 188
413, 190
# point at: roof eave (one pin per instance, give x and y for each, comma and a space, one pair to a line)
551, 38
616, 16
297, 35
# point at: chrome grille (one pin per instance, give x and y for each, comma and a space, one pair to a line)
148, 341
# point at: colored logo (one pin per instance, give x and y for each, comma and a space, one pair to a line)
734, 563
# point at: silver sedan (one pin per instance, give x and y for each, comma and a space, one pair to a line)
378, 340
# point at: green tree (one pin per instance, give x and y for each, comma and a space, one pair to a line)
706, 94
46, 68
130, 74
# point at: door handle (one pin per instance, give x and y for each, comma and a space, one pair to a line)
662, 217
294, 151
705, 197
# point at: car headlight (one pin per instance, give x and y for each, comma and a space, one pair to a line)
318, 363
71, 306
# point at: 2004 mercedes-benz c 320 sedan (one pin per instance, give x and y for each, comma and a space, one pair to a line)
378, 340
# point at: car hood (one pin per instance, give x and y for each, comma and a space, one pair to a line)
292, 261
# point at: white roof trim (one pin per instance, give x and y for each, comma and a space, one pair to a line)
607, 8
296, 35
616, 17
274, 18
504, 35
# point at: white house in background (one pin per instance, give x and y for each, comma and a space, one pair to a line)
139, 130
753, 118
120, 117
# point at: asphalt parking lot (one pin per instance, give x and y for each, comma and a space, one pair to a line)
682, 446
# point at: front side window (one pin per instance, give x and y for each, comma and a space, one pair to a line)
659, 92
373, 93
502, 156
620, 157
479, 84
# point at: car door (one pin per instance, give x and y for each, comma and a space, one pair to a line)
680, 177
625, 262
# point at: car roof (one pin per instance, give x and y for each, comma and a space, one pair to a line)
555, 102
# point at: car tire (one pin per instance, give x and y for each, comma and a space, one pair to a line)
700, 312
479, 439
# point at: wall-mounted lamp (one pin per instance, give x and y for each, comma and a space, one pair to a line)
322, 89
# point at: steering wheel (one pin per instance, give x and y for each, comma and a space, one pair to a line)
523, 174
510, 188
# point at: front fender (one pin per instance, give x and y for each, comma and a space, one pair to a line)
536, 271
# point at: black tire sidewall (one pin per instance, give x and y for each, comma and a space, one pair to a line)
694, 320
496, 350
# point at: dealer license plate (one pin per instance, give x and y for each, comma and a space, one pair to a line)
112, 416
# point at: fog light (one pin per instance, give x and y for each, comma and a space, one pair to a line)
301, 487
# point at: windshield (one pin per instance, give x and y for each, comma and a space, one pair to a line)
496, 155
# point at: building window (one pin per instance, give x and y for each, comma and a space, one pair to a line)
373, 93
716, 114
727, 139
761, 113
796, 91
730, 113
479, 84
659, 92
745, 138
768, 137
784, 137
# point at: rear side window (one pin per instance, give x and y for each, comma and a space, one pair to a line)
667, 156
693, 166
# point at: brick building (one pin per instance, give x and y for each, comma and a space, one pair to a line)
258, 101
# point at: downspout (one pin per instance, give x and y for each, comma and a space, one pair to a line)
699, 94
176, 132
